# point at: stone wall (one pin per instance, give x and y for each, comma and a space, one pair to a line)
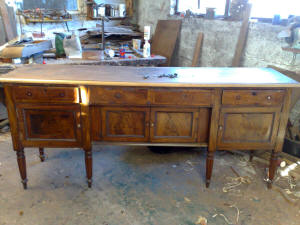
263, 48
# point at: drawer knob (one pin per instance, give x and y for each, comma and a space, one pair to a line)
78, 125
117, 95
269, 97
29, 93
238, 97
220, 127
61, 94
152, 124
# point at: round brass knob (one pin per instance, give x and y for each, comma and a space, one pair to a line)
29, 93
269, 97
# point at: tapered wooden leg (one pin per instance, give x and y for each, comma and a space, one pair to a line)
251, 155
209, 166
213, 134
42, 154
22, 166
272, 168
89, 166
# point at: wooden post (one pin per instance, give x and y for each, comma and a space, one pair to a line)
227, 9
280, 136
197, 52
89, 9
242, 38
129, 8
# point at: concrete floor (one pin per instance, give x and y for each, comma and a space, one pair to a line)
133, 186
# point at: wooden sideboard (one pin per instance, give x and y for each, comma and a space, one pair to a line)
63, 106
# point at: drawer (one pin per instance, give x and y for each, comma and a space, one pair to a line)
253, 97
186, 97
45, 94
116, 95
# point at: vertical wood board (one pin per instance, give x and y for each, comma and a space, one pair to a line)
197, 52
165, 37
242, 38
8, 24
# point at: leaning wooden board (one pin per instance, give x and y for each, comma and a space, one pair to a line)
77, 106
165, 38
8, 22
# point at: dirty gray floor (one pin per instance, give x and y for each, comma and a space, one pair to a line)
133, 186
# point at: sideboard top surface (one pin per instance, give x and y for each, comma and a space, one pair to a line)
135, 76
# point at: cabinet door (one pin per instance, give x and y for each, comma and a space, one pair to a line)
49, 126
174, 125
125, 124
248, 128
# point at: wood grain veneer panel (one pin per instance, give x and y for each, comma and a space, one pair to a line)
45, 94
117, 95
125, 123
248, 128
174, 125
49, 125
253, 97
181, 97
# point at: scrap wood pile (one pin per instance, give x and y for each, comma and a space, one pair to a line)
45, 14
287, 182
292, 139
287, 178
22, 49
116, 32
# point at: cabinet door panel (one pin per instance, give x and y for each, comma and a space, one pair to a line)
125, 124
174, 125
248, 128
50, 124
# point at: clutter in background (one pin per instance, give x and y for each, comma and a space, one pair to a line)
72, 46
45, 15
